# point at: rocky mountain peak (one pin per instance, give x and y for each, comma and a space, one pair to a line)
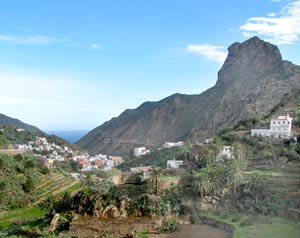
252, 81
247, 59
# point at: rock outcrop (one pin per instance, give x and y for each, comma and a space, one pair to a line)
253, 79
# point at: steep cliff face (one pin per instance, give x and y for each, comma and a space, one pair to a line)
253, 79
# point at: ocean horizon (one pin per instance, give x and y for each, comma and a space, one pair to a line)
71, 136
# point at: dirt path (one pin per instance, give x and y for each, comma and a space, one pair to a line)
196, 231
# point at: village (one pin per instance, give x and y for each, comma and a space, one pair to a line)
280, 128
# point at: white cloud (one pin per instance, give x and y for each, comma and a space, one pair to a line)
283, 29
211, 52
32, 40
271, 14
96, 46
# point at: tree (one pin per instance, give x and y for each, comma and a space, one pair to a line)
216, 147
74, 165
207, 157
255, 185
4, 143
216, 175
28, 186
202, 183
88, 181
238, 151
29, 163
185, 149
49, 205
234, 176
84, 201
155, 179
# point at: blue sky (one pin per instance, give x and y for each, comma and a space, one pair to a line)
68, 64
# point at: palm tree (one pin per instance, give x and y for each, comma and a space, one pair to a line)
155, 179
238, 151
216, 147
216, 176
202, 184
49, 205
88, 181
255, 185
235, 175
207, 157
185, 149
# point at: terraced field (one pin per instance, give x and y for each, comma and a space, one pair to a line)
283, 180
52, 184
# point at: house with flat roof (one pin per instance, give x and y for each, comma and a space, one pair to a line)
280, 127
175, 164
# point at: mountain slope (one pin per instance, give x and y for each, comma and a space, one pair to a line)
5, 120
253, 79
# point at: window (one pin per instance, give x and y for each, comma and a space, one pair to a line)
274, 122
288, 122
283, 122
278, 122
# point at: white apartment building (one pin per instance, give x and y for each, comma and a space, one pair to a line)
140, 151
280, 127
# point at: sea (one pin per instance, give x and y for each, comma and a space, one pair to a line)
70, 136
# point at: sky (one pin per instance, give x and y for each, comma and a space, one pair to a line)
72, 65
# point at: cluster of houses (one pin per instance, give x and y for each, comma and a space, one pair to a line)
97, 162
51, 152
41, 144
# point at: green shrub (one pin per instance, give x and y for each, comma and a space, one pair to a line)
44, 170
3, 142
28, 186
192, 219
248, 221
235, 218
170, 225
143, 234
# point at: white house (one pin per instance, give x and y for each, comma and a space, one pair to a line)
173, 144
140, 151
175, 164
19, 147
280, 127
49, 163
207, 141
20, 130
110, 163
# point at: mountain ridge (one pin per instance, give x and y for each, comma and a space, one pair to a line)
6, 120
252, 80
